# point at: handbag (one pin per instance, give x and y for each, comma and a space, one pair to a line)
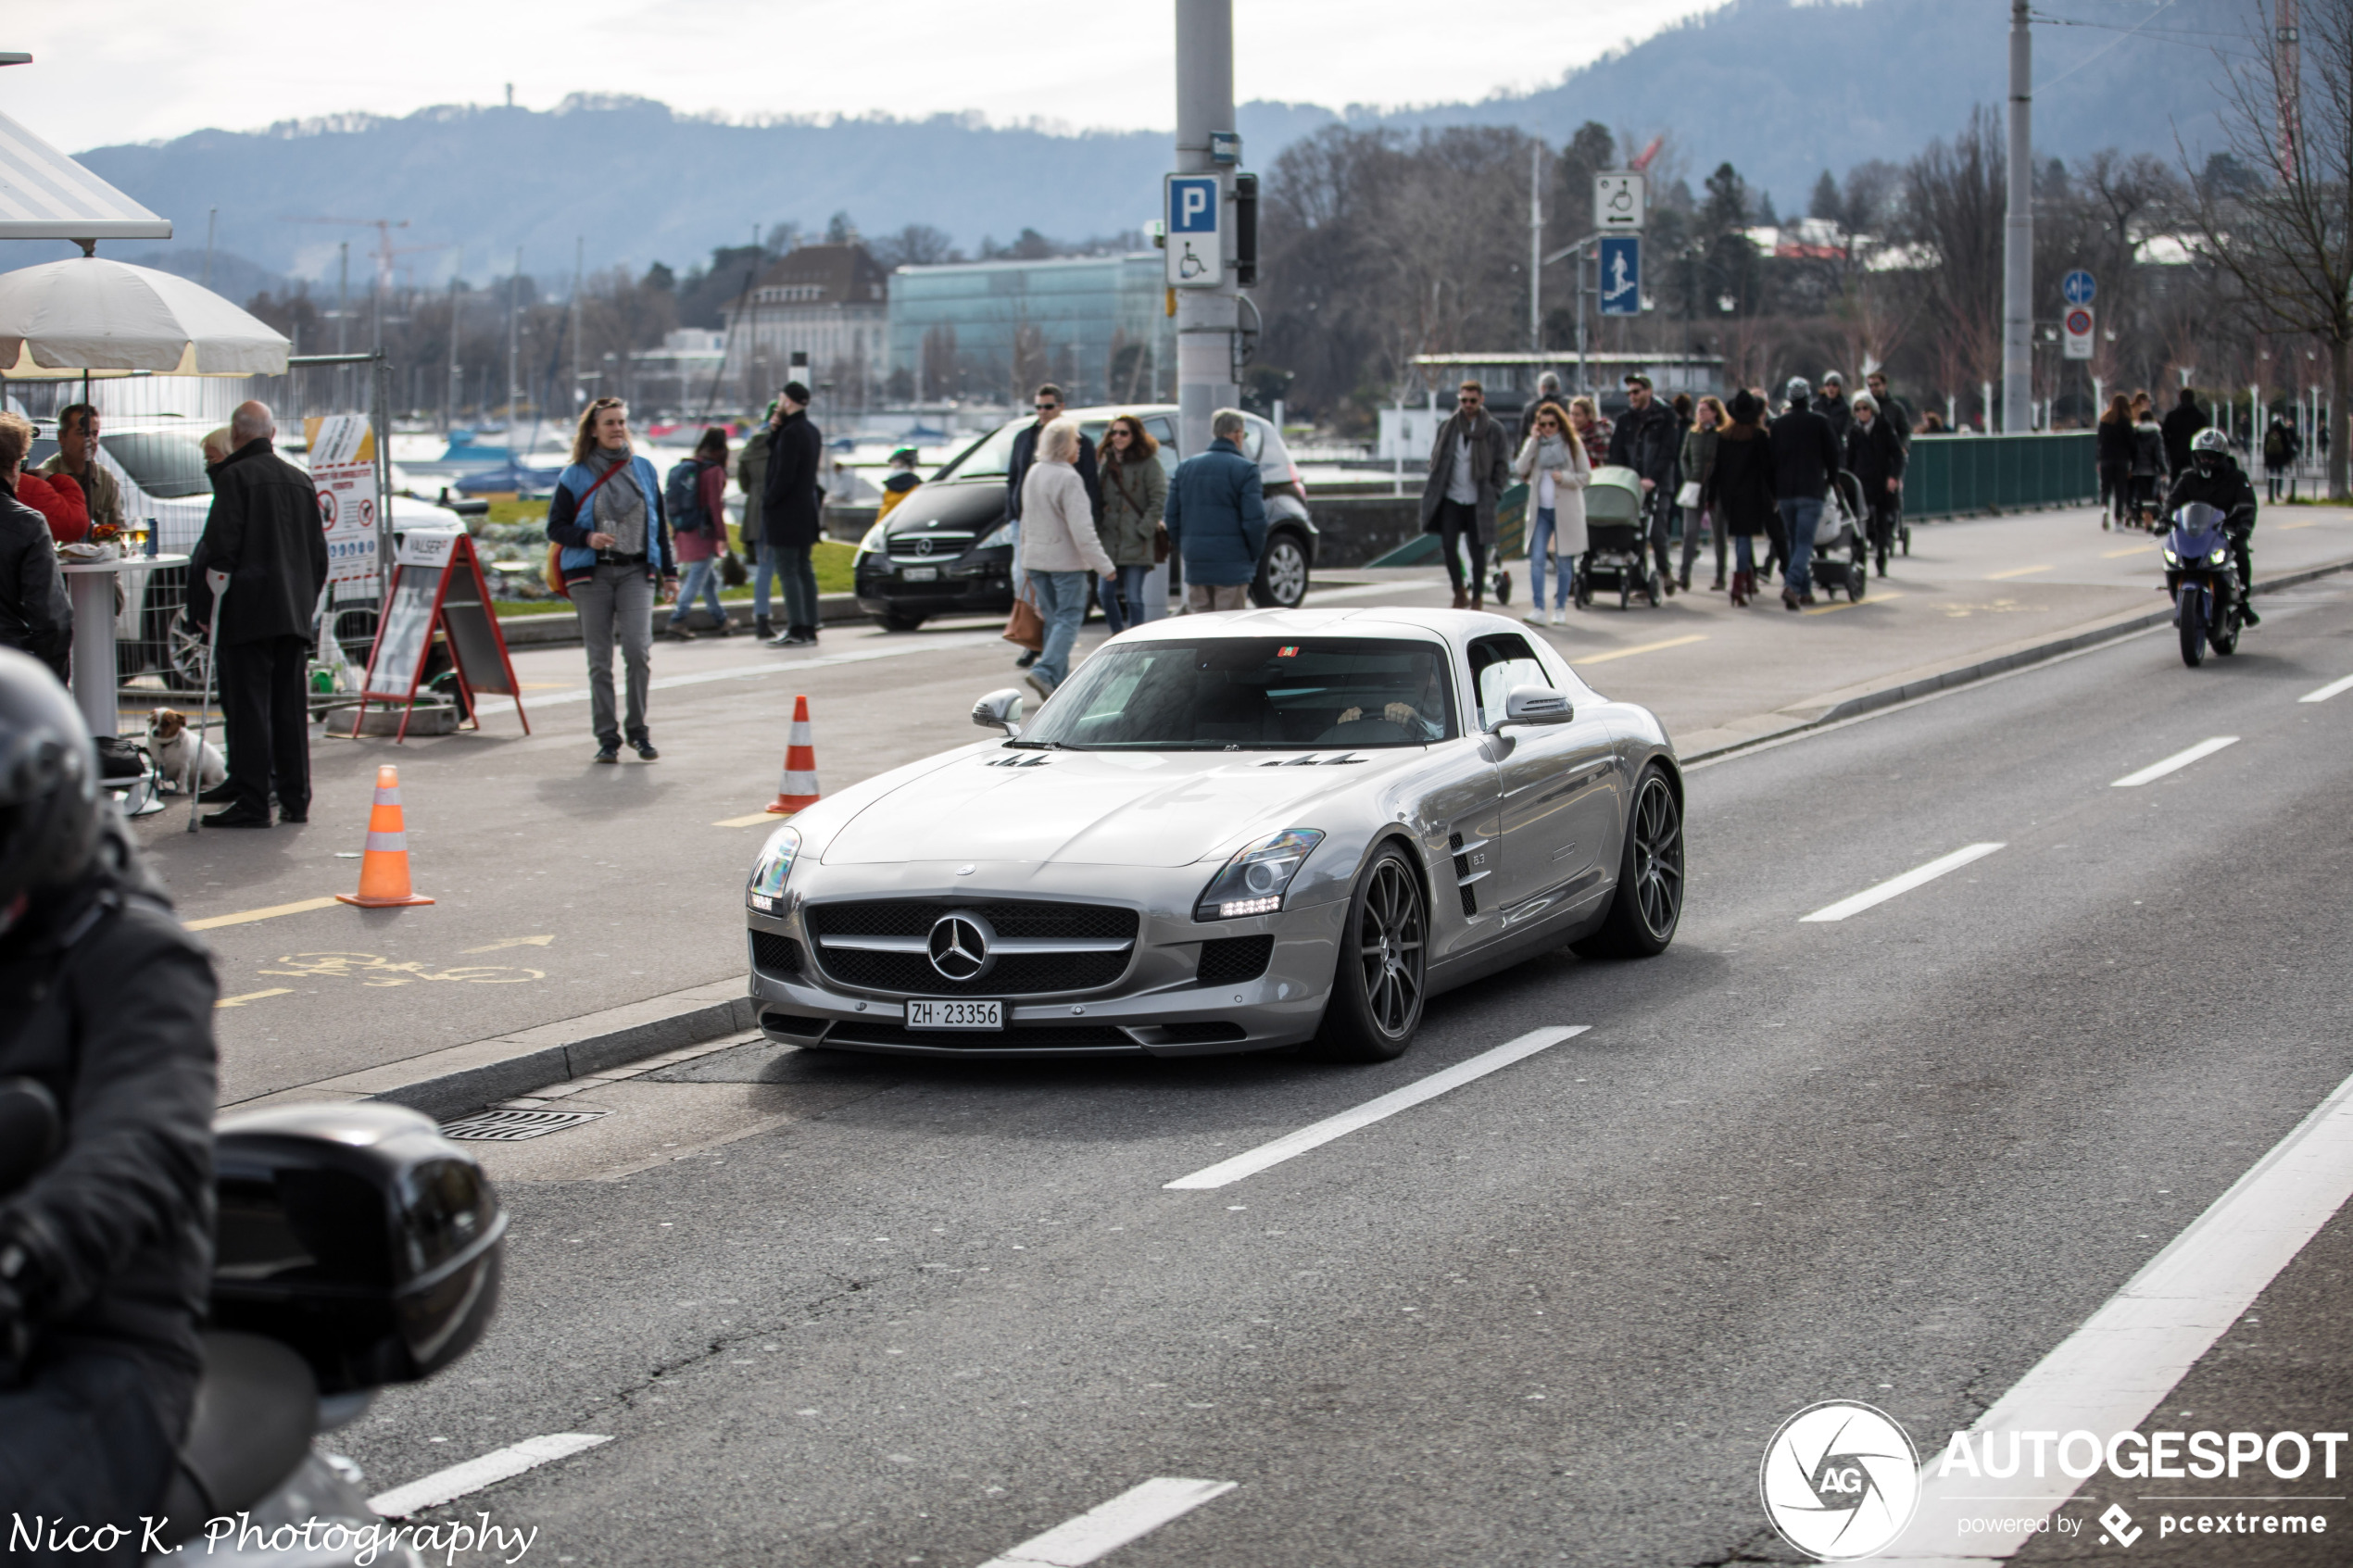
1159, 543
1688, 496
1024, 627
554, 574
731, 570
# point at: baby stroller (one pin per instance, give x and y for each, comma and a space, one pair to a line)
1617, 541
1841, 542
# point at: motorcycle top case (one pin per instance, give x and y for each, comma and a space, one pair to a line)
357, 1234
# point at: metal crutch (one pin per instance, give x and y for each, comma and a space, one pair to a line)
218, 582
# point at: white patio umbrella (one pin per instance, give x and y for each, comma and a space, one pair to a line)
91, 316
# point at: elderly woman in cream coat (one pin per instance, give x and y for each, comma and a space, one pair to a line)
1059, 546
1554, 464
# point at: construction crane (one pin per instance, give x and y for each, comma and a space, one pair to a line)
387, 252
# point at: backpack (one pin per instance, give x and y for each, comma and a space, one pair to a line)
682, 497
2275, 444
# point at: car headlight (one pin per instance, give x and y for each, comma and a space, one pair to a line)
873, 540
1001, 534
2171, 558
1253, 882
770, 871
2216, 558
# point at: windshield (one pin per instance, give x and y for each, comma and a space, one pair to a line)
167, 464
1252, 694
991, 457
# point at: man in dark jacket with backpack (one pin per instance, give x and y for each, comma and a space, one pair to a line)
1805, 456
791, 519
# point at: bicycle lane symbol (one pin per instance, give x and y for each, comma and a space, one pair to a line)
372, 968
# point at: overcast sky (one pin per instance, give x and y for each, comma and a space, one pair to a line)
106, 71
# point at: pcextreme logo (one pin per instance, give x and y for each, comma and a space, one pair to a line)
1839, 1480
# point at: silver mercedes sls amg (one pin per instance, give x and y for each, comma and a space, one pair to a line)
1227, 832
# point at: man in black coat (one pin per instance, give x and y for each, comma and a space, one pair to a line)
264, 532
791, 518
2183, 422
34, 612
1833, 404
105, 1252
1804, 455
1648, 439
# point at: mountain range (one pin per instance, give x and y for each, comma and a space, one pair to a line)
1780, 88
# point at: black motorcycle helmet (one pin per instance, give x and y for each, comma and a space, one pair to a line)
49, 784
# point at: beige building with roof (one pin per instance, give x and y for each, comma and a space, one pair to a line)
830, 301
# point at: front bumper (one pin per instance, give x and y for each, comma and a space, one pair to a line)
1158, 1005
979, 583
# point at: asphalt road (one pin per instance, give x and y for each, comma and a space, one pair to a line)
566, 888
834, 1311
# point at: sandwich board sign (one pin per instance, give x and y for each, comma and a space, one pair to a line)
1193, 206
437, 586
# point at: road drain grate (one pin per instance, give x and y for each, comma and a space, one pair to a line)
507, 1126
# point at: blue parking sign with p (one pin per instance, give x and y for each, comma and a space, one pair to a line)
1196, 258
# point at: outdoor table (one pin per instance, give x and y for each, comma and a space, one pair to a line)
91, 586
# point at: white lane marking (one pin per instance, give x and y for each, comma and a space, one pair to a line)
444, 1485
1905, 883
896, 648
2179, 759
2110, 1373
1226, 1172
1108, 1526
2328, 691
1367, 590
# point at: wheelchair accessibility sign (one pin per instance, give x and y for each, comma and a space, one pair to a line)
1194, 209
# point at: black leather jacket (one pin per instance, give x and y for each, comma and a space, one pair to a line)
108, 1001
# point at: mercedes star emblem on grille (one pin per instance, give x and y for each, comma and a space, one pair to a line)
923, 546
959, 946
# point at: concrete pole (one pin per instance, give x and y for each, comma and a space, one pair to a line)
2018, 237
1205, 318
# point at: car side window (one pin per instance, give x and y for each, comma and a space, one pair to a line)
1498, 664
1163, 430
1253, 439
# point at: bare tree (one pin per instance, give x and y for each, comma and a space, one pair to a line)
2285, 239
1953, 201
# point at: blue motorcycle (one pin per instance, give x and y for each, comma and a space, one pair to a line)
2204, 582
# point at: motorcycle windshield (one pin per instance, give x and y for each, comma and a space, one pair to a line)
2198, 532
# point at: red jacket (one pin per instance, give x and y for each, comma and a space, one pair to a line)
59, 499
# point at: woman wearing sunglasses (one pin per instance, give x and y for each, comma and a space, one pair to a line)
1135, 495
1554, 465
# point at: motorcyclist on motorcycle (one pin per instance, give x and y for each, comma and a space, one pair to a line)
2215, 478
106, 1253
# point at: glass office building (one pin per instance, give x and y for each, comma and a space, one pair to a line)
990, 330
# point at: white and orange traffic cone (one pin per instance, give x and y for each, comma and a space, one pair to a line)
799, 790
383, 870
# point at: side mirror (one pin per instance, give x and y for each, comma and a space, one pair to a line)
1000, 711
1535, 705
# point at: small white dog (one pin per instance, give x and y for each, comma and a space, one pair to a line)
181, 755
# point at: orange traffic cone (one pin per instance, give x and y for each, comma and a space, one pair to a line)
799, 790
383, 870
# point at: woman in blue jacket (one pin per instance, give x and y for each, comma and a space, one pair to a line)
615, 556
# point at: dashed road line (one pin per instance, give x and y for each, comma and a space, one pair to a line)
790, 665
1646, 647
1852, 604
1108, 1526
253, 997
247, 917
499, 1464
1905, 883
2017, 572
753, 821
2130, 550
2332, 689
2111, 1373
1227, 1172
2156, 770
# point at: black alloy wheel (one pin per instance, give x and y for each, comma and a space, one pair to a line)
1648, 905
1378, 984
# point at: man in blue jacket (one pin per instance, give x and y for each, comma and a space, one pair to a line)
1217, 518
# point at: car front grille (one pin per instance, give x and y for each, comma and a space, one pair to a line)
1103, 938
1018, 1036
944, 546
1229, 961
771, 953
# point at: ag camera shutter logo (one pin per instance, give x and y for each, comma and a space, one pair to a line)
1839, 1480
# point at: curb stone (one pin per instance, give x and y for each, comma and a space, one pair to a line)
1978, 670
